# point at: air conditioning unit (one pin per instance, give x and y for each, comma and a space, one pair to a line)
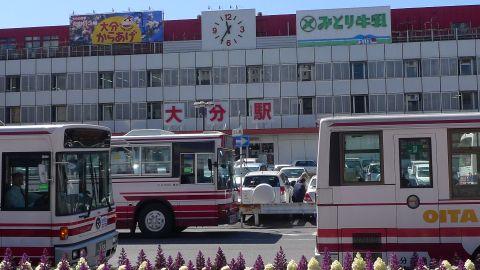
414, 97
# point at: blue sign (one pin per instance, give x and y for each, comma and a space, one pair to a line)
242, 141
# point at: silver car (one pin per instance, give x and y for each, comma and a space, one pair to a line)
266, 187
311, 194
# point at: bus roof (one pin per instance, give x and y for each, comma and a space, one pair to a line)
167, 136
42, 129
396, 120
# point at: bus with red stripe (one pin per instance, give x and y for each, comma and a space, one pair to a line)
425, 197
166, 182
56, 192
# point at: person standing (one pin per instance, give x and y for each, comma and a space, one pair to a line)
299, 191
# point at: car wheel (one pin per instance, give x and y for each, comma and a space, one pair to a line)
155, 220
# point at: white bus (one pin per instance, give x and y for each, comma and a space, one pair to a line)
166, 182
426, 198
56, 191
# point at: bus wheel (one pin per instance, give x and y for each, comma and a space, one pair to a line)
155, 220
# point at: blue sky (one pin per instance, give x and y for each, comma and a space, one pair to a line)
25, 13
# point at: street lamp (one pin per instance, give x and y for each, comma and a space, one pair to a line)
203, 105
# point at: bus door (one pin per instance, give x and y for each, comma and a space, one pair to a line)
416, 193
26, 198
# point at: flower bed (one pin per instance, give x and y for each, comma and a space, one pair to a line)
220, 262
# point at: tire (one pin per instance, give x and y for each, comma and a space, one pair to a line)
155, 220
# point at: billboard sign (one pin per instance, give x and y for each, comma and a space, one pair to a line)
347, 26
261, 110
116, 28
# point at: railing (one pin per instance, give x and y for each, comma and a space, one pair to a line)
152, 48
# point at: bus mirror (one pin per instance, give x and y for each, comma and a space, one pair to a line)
42, 173
210, 164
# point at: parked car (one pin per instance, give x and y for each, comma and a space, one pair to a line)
266, 187
241, 171
294, 174
311, 194
353, 170
278, 167
309, 165
373, 172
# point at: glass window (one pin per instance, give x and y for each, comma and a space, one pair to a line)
465, 160
125, 160
305, 72
342, 104
74, 112
466, 65
28, 83
238, 107
154, 110
358, 70
394, 69
376, 70
237, 75
271, 73
74, 81
413, 102
28, 114
122, 79
448, 66
139, 79
122, 111
156, 160
415, 162
341, 71
288, 73
325, 105
12, 115
13, 84
187, 76
430, 67
90, 112
204, 76
220, 75
90, 80
469, 100
59, 113
26, 184
431, 102
323, 72
59, 81
43, 82
306, 105
106, 112
358, 148
450, 101
105, 80
377, 103
254, 74
290, 106
170, 77
155, 78
412, 68
44, 114
360, 104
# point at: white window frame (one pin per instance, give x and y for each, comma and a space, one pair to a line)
59, 81
466, 62
59, 113
187, 76
151, 108
204, 76
105, 107
473, 97
324, 105
254, 74
341, 71
376, 69
14, 115
138, 79
74, 81
106, 80
393, 69
155, 78
271, 73
365, 104
305, 72
220, 75
412, 65
13, 83
288, 73
413, 98
302, 101
354, 65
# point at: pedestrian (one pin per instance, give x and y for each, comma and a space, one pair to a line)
299, 191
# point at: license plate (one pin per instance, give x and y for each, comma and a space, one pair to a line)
101, 245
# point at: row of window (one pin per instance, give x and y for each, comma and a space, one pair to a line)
319, 105
431, 67
356, 158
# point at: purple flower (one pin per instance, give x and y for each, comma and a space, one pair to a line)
220, 260
141, 258
460, 264
240, 262
64, 265
122, 257
209, 265
420, 263
160, 261
190, 265
394, 263
433, 263
200, 260
280, 262
368, 260
44, 264
258, 265
101, 257
326, 261
413, 260
170, 265
303, 264
179, 261
232, 264
23, 262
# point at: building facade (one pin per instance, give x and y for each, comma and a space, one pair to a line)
276, 91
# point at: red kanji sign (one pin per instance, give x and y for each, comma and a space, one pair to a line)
262, 110
174, 113
216, 113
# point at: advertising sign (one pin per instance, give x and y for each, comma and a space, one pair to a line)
261, 110
115, 28
348, 26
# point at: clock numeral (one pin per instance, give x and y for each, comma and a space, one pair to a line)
228, 16
229, 42
214, 30
242, 29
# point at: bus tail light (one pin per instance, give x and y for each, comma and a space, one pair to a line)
63, 233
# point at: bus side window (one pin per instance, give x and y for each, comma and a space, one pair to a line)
415, 162
464, 163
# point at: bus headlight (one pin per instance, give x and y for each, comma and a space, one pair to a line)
63, 233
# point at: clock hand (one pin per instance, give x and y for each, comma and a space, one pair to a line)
221, 40
228, 27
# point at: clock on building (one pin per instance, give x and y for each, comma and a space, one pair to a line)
228, 29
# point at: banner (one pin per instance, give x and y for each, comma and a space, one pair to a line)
116, 28
347, 26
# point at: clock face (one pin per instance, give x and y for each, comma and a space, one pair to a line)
228, 29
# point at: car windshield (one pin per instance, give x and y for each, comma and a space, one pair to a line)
253, 181
242, 171
293, 172
83, 182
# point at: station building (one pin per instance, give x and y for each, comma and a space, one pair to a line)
272, 75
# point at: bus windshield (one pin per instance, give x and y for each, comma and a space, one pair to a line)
83, 182
225, 169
